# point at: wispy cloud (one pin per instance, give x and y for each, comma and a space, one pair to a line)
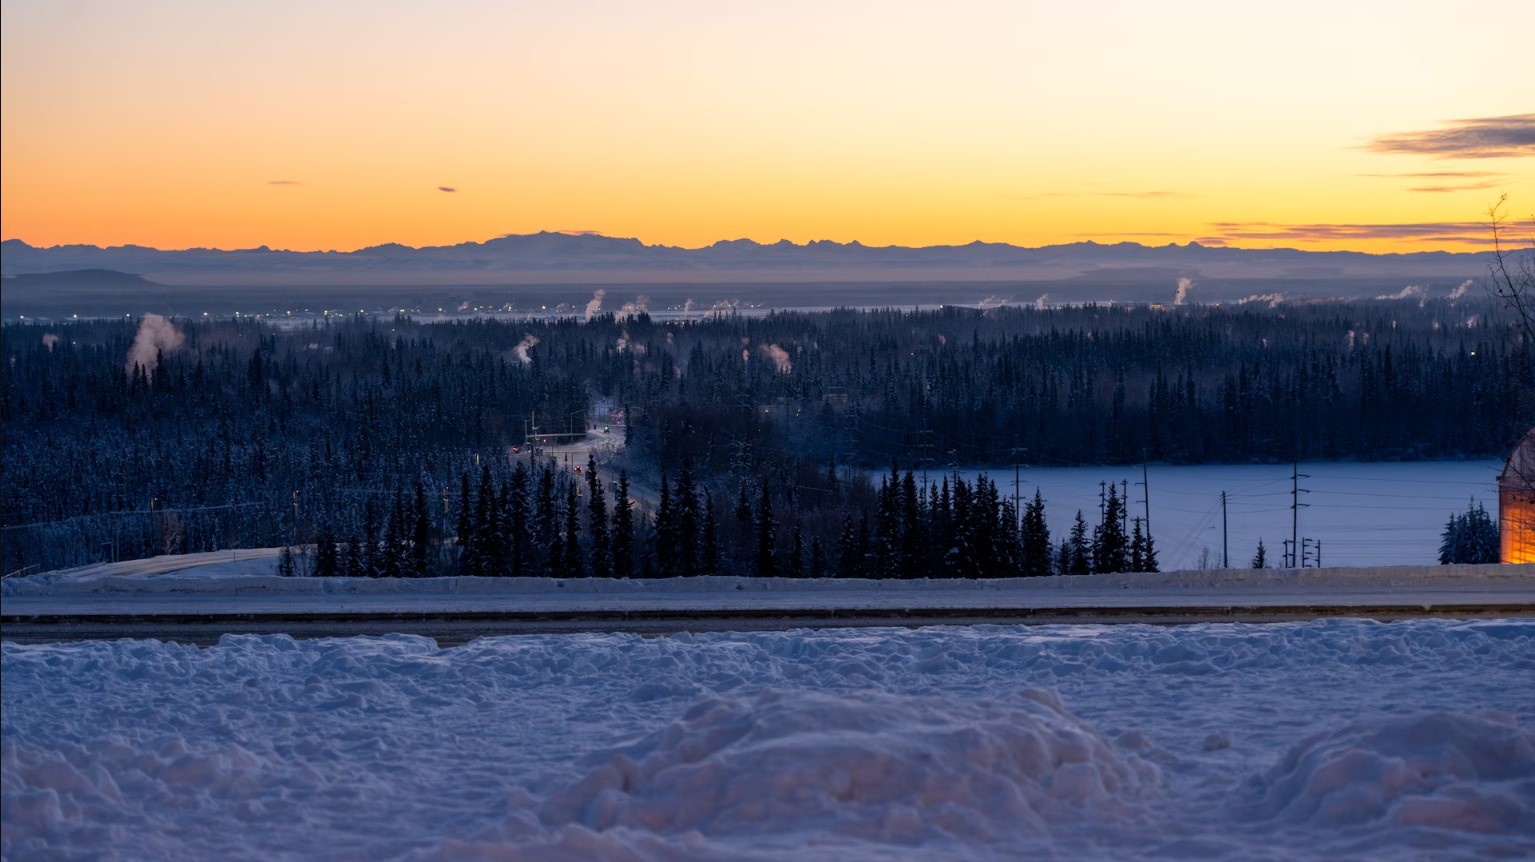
1436, 175
1485, 184
1482, 180
1436, 232
1512, 136
284, 182
446, 189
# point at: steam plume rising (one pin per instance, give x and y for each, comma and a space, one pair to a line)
1182, 295
521, 350
1039, 304
778, 356
1273, 299
1407, 292
640, 305
687, 309
595, 305
1460, 291
49, 340
156, 335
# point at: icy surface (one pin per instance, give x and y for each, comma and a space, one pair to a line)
1363, 513
1307, 740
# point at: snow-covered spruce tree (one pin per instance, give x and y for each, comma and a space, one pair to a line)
1036, 548
420, 535
685, 504
1109, 546
1081, 549
571, 567
1137, 547
623, 530
1469, 537
767, 556
597, 522
709, 554
667, 532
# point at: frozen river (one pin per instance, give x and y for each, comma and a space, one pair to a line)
1363, 514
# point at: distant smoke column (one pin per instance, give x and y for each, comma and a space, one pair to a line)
1460, 291
1039, 304
595, 305
1182, 295
521, 350
1410, 290
1273, 299
687, 308
640, 304
779, 357
49, 340
155, 335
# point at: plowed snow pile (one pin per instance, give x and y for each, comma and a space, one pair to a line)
1340, 738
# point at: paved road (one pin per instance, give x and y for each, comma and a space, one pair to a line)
454, 618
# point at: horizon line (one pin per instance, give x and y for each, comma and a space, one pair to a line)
1190, 243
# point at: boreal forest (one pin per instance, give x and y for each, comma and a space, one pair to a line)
794, 444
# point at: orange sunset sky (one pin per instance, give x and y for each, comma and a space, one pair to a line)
1384, 126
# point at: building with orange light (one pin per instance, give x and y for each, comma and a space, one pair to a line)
1516, 504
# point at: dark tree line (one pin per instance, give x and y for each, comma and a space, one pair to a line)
752, 440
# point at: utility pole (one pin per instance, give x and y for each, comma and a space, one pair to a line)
1295, 506
1145, 484
1017, 513
1124, 506
1225, 546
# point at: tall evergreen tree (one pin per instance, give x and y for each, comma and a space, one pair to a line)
709, 557
666, 532
849, 557
1037, 548
1109, 546
767, 526
1081, 550
1261, 558
597, 522
685, 501
623, 530
1137, 547
546, 525
519, 522
421, 535
352, 561
571, 566
913, 557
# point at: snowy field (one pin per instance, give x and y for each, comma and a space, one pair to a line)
1364, 514
1409, 740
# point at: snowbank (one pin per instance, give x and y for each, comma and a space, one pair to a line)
1438, 770
876, 768
1308, 740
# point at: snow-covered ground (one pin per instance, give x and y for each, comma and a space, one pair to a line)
1363, 513
1304, 741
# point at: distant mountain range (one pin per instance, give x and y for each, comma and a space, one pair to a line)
558, 258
